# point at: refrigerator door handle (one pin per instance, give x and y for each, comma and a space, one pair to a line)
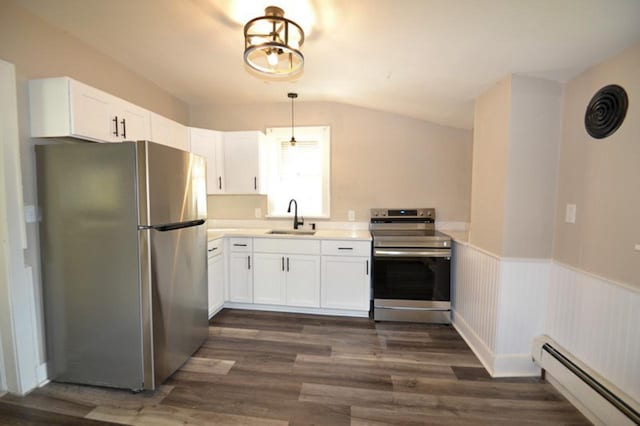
172, 226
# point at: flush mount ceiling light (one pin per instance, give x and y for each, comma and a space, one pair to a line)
292, 96
272, 44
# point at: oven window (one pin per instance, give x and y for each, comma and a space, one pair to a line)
412, 278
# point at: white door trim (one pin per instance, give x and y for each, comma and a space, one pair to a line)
19, 343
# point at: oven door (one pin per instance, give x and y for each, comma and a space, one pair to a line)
412, 274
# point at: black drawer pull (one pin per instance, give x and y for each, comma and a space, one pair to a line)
239, 245
345, 248
213, 249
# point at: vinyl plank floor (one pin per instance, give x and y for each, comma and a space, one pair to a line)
269, 368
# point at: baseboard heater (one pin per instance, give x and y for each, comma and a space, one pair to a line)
597, 399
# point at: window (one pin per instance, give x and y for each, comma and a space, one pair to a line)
300, 171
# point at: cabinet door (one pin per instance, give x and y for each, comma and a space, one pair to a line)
208, 143
135, 122
345, 282
303, 280
268, 283
179, 136
242, 162
240, 278
93, 113
216, 283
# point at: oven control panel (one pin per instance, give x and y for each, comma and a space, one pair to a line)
422, 213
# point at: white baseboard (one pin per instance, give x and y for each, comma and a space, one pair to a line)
42, 375
507, 365
515, 365
479, 348
215, 311
297, 310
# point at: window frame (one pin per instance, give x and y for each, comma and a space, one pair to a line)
322, 134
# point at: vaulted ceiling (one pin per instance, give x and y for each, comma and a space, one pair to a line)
422, 58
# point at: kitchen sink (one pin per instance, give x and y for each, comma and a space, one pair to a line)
291, 232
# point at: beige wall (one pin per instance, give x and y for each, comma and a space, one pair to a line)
534, 137
377, 159
39, 50
602, 177
490, 155
515, 155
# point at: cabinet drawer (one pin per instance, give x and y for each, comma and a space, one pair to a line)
346, 248
286, 245
240, 244
215, 247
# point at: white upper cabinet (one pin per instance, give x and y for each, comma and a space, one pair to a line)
209, 144
168, 132
63, 107
244, 162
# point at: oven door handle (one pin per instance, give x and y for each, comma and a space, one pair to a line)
411, 253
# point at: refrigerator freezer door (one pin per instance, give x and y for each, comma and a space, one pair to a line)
89, 250
177, 185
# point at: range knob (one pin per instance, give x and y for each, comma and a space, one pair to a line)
420, 213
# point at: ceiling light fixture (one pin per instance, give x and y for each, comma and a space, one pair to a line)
272, 44
292, 96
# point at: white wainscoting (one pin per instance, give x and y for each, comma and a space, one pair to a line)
475, 295
598, 321
499, 307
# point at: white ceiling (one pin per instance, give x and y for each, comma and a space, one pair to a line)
422, 58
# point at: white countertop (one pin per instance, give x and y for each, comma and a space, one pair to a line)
321, 234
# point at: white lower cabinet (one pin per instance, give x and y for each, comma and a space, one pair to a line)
302, 280
269, 279
241, 270
215, 275
345, 282
287, 272
300, 273
240, 278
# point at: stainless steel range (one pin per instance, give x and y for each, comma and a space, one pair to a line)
411, 266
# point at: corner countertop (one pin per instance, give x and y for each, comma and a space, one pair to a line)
321, 234
461, 237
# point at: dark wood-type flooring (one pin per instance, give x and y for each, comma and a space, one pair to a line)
264, 368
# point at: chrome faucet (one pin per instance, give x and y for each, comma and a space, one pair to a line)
296, 222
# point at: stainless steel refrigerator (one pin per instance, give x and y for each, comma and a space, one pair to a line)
123, 251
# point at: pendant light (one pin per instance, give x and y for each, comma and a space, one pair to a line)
272, 44
292, 96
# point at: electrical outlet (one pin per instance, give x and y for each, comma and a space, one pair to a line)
351, 215
637, 247
258, 212
570, 213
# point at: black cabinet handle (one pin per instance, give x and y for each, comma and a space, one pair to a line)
115, 120
124, 128
367, 268
219, 182
282, 263
248, 262
255, 183
213, 249
239, 245
345, 248
287, 264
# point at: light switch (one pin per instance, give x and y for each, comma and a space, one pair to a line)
30, 214
570, 213
351, 215
258, 212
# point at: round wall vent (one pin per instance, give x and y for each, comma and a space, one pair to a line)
606, 111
